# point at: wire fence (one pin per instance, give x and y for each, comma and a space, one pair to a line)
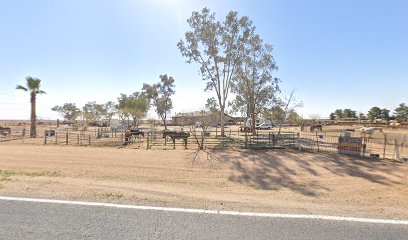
214, 139
391, 146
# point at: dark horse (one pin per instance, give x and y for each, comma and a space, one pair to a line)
177, 135
5, 131
136, 132
316, 127
130, 133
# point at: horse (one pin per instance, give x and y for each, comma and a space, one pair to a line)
5, 131
244, 129
370, 130
176, 135
316, 127
394, 124
136, 132
49, 133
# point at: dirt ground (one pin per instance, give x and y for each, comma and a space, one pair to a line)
279, 181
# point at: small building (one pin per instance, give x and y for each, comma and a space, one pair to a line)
206, 117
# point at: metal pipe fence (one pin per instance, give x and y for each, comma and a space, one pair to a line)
393, 146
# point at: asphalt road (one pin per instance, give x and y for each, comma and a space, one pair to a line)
30, 220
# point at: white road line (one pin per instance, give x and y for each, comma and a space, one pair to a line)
204, 211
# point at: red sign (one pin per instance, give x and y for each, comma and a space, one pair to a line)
350, 146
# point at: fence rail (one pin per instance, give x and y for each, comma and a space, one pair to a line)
393, 146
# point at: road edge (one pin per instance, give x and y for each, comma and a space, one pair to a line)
206, 211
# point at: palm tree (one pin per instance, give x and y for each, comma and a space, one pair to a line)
33, 86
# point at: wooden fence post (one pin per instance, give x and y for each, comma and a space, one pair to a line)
385, 145
66, 138
45, 137
396, 150
78, 139
89, 139
317, 142
298, 142
202, 140
147, 141
56, 138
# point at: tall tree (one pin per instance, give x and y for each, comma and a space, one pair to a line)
294, 118
378, 113
212, 105
279, 112
33, 86
255, 87
68, 111
385, 114
160, 94
93, 113
123, 108
111, 110
401, 112
276, 114
138, 106
217, 47
338, 113
134, 106
348, 113
373, 113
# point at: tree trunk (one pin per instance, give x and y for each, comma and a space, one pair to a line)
165, 124
222, 121
33, 130
253, 121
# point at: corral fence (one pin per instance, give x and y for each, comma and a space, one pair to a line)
214, 139
392, 146
101, 137
156, 140
14, 135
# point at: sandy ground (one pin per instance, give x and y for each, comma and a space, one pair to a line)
263, 181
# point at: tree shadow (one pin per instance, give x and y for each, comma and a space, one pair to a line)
290, 169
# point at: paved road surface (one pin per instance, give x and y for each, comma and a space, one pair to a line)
30, 220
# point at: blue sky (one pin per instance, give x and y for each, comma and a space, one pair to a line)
337, 54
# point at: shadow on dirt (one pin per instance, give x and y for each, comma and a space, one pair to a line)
297, 171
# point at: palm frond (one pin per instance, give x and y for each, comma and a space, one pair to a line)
19, 87
33, 83
40, 92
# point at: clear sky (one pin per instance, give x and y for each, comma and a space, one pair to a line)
337, 54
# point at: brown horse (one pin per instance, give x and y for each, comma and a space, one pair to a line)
316, 127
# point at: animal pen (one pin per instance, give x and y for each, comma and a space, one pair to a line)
393, 146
